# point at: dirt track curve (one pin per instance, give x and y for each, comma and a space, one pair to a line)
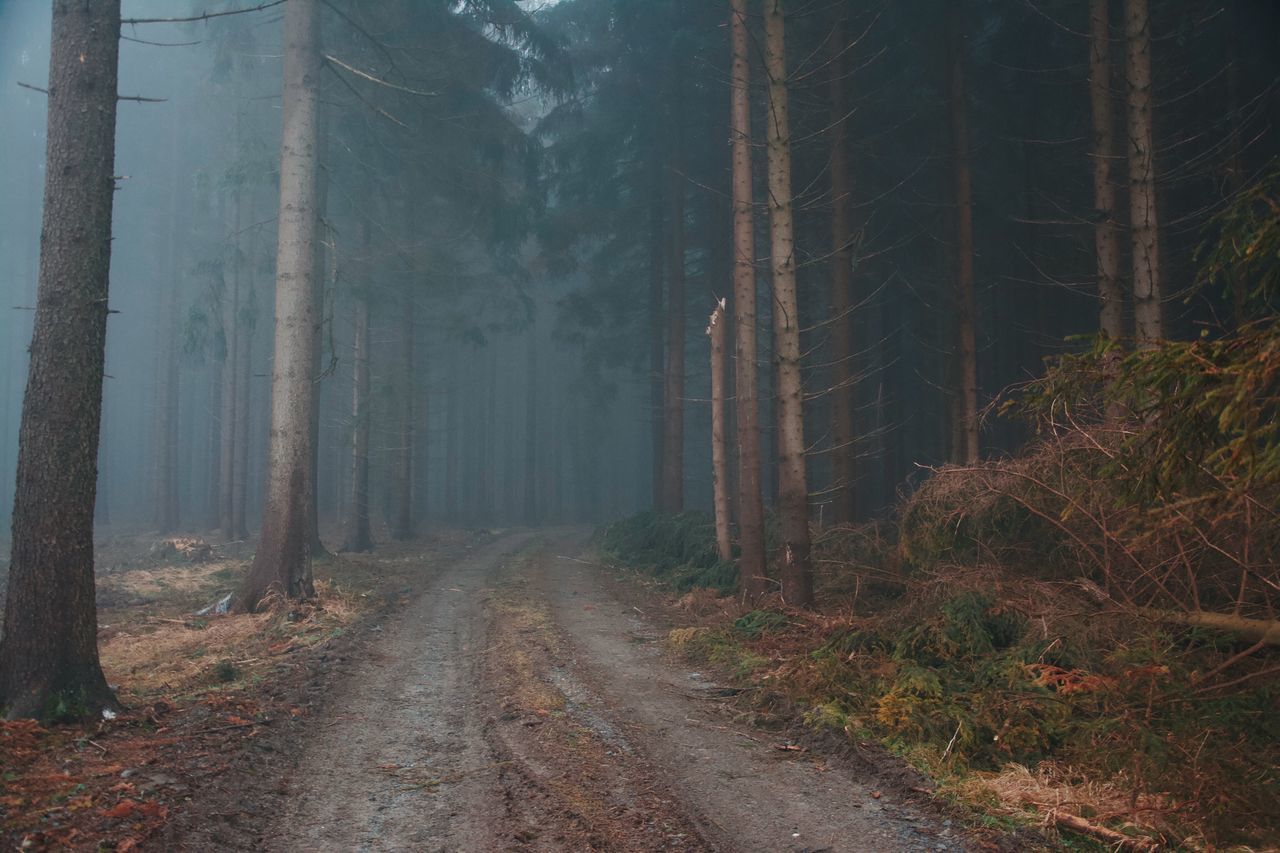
518, 705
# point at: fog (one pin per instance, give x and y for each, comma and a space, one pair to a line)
489, 194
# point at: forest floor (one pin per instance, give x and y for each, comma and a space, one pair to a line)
474, 692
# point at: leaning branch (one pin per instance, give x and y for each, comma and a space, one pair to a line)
202, 17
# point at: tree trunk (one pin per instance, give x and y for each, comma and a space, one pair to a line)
751, 562
843, 472
49, 655
657, 375
966, 334
358, 537
1144, 226
402, 528
215, 444
673, 434
283, 559
244, 397
531, 469
793, 492
719, 451
231, 379
1106, 231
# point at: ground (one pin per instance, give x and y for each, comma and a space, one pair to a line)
495, 691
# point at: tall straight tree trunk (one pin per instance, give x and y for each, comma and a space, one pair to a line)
164, 446
966, 372
451, 444
244, 398
402, 486
719, 448
1106, 232
214, 517
1235, 152
358, 537
1144, 225
657, 374
751, 557
231, 379
843, 471
793, 491
283, 559
673, 434
49, 654
531, 471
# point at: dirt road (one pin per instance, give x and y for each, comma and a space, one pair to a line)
518, 705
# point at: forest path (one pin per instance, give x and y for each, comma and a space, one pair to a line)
520, 704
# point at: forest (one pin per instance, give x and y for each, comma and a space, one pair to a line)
640, 424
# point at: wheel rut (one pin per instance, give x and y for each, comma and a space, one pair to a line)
517, 705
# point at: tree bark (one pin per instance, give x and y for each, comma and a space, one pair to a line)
793, 492
1106, 231
49, 654
673, 403
719, 450
751, 557
358, 537
843, 471
966, 399
283, 559
1144, 225
231, 379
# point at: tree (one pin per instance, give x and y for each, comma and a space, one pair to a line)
673, 396
966, 371
719, 452
751, 559
283, 559
358, 537
793, 492
1144, 224
842, 432
1106, 236
49, 654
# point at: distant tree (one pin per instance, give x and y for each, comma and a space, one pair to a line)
283, 559
793, 492
358, 536
49, 654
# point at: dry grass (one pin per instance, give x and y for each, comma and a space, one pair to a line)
1051, 787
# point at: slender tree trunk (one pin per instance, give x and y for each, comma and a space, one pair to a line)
215, 445
358, 537
966, 321
452, 448
531, 469
673, 434
657, 372
283, 560
1144, 225
1235, 153
231, 379
751, 559
843, 471
49, 654
244, 398
793, 492
719, 450
403, 476
1106, 232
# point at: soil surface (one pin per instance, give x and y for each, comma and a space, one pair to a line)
519, 703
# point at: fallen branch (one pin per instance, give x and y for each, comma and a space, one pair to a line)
1119, 840
1254, 630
